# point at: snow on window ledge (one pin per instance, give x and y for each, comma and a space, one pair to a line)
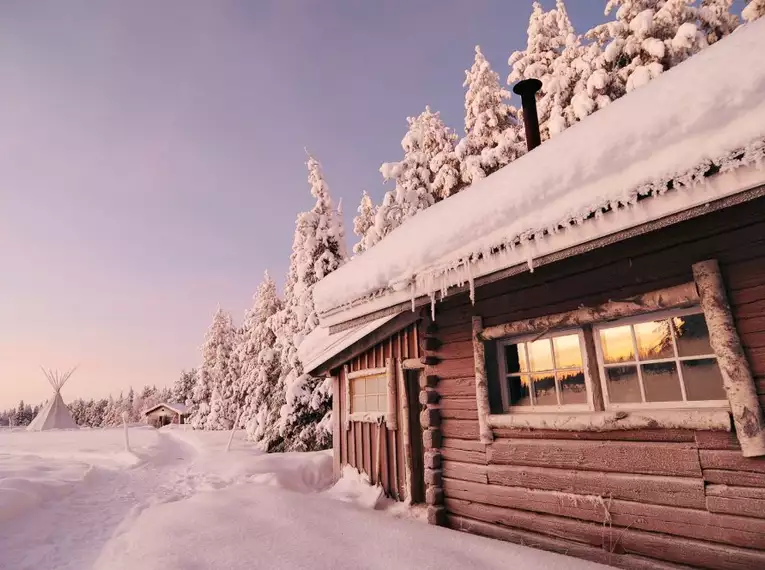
711, 420
367, 417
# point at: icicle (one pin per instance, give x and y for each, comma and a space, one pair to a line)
530, 261
471, 282
413, 294
433, 307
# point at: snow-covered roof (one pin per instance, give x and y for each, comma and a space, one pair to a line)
177, 408
319, 346
656, 142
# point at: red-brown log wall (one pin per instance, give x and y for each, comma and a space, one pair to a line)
627, 498
360, 443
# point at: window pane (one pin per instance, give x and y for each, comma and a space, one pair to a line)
703, 380
519, 390
654, 340
623, 384
617, 345
540, 355
358, 404
382, 403
567, 351
371, 403
573, 390
357, 387
381, 385
692, 335
661, 382
515, 359
544, 390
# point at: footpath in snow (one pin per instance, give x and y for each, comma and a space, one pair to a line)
78, 500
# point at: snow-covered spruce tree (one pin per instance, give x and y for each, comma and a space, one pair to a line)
492, 131
428, 173
183, 387
259, 363
317, 250
216, 352
363, 223
225, 400
754, 9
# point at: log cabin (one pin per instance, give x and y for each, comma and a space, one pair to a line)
570, 354
166, 413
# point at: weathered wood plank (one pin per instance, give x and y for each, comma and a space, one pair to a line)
456, 414
671, 435
716, 440
677, 491
735, 492
456, 387
690, 523
459, 349
467, 444
561, 546
654, 545
745, 507
456, 368
463, 471
459, 429
650, 458
731, 460
740, 478
457, 404
465, 456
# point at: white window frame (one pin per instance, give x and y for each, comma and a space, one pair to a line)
390, 415
534, 408
638, 406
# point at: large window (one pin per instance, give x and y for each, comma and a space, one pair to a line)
661, 361
544, 372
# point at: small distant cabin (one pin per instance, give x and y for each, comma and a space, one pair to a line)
166, 413
570, 354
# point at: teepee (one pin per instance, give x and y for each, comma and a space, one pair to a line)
54, 414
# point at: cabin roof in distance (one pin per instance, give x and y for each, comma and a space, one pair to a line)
689, 137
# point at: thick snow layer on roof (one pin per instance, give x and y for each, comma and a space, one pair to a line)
177, 408
319, 346
708, 110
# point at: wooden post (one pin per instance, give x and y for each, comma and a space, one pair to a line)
737, 376
337, 433
405, 442
481, 383
391, 417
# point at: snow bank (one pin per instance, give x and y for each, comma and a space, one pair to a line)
710, 109
355, 487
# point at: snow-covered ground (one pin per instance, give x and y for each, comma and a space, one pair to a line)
77, 500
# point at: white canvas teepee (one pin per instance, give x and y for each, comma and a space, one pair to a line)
54, 414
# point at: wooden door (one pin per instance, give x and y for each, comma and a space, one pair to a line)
412, 380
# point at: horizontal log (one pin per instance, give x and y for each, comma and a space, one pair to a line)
436, 515
434, 496
429, 396
734, 492
433, 477
432, 460
464, 456
457, 387
684, 295
679, 459
412, 364
731, 460
561, 546
662, 490
716, 440
429, 360
464, 471
430, 343
453, 414
452, 350
430, 417
614, 421
690, 523
745, 507
460, 429
431, 439
467, 403
741, 478
466, 444
428, 380
674, 435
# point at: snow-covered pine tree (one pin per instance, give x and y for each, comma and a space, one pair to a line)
318, 249
716, 19
428, 173
492, 131
183, 387
216, 352
754, 9
259, 356
363, 223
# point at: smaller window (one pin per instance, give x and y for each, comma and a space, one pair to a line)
661, 361
369, 394
544, 372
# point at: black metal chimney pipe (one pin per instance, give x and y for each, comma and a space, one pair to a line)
527, 89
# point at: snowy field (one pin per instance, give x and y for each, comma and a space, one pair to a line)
77, 500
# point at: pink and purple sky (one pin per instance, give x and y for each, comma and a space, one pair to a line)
152, 162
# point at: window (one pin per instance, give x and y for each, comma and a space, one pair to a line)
369, 394
662, 361
544, 372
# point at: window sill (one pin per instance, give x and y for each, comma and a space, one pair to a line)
367, 417
711, 420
